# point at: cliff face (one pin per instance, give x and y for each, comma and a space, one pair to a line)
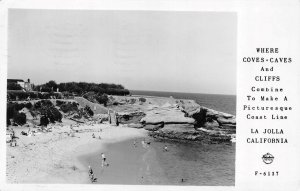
183, 120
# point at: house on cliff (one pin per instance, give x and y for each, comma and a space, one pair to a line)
26, 86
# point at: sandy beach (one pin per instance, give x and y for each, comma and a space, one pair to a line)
52, 157
61, 151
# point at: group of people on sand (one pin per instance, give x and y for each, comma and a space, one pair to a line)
94, 136
13, 139
28, 133
92, 123
91, 172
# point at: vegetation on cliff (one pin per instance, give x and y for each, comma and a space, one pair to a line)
83, 87
13, 86
96, 98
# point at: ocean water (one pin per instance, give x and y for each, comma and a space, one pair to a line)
195, 163
185, 163
219, 102
198, 164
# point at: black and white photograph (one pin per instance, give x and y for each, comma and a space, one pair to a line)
121, 97
161, 95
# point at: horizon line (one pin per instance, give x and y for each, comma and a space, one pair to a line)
183, 92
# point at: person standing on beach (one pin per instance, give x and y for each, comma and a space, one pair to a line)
91, 175
103, 159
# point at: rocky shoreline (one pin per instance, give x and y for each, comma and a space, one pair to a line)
74, 128
162, 117
181, 120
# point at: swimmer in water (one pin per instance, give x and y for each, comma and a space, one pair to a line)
166, 148
103, 159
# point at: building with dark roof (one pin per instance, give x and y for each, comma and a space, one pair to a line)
27, 86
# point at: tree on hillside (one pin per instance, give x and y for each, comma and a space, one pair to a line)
102, 99
84, 87
13, 86
52, 85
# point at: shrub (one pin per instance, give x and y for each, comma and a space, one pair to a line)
89, 110
59, 102
47, 109
44, 95
141, 99
13, 86
81, 87
20, 118
37, 105
28, 105
67, 107
102, 99
44, 121
19, 106
132, 101
13, 109
51, 113
10, 111
54, 115
98, 98
46, 103
7, 120
12, 95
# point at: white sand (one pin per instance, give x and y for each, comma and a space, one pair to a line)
53, 157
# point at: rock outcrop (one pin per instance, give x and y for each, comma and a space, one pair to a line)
185, 132
190, 121
130, 117
181, 120
166, 115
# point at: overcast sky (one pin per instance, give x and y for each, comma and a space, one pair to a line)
142, 50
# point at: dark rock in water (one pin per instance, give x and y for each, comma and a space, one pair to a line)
153, 127
187, 133
135, 125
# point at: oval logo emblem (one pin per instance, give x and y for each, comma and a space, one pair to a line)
268, 158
